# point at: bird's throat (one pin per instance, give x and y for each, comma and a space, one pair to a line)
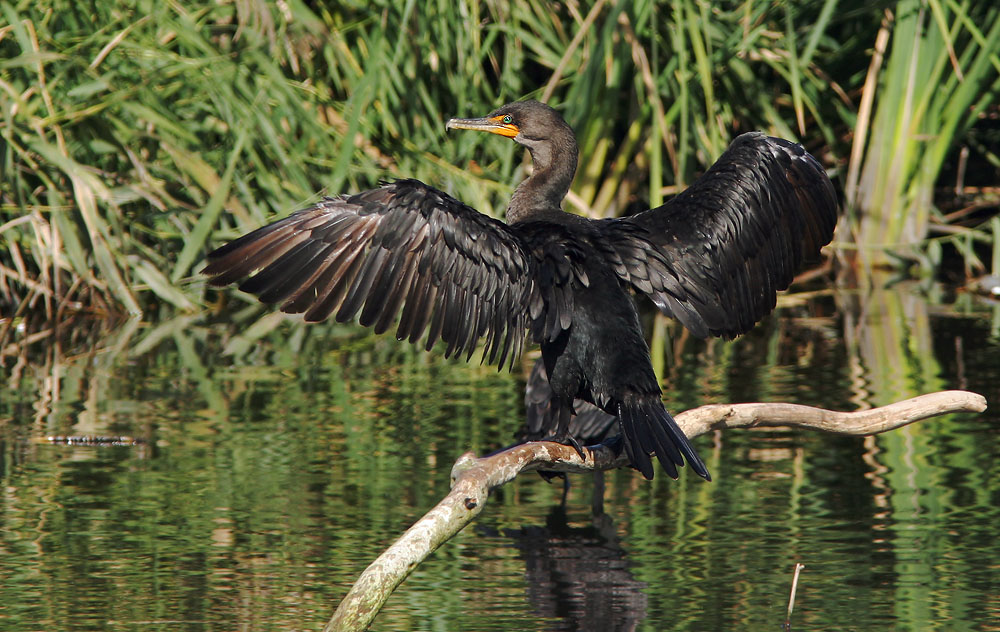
544, 190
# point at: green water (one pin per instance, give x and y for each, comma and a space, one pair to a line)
275, 463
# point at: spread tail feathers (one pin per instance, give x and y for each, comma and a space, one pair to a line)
648, 427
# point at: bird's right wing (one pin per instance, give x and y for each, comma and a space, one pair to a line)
404, 249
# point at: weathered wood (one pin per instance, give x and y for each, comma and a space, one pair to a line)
473, 479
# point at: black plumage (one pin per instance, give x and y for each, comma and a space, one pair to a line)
712, 257
589, 425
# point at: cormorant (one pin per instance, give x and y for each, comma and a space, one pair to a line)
712, 257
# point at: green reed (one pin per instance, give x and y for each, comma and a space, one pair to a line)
935, 71
137, 136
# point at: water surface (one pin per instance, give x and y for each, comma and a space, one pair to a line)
274, 461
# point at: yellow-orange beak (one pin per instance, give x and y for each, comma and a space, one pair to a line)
493, 125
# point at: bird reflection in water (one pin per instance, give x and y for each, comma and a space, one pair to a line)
579, 576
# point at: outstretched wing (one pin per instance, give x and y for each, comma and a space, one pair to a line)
715, 255
404, 249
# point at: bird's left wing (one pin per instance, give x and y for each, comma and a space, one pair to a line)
715, 255
404, 249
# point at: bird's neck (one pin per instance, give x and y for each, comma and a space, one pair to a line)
554, 165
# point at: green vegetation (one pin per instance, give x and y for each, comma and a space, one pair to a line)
929, 85
136, 136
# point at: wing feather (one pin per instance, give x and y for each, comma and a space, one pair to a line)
405, 252
714, 256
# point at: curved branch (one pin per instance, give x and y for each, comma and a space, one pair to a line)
863, 422
473, 478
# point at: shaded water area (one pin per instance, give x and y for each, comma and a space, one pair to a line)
272, 465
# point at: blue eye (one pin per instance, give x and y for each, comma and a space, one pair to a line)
507, 120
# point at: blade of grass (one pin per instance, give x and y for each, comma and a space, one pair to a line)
196, 241
794, 80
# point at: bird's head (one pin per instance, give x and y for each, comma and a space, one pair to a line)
530, 123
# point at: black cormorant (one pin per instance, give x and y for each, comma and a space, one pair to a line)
712, 257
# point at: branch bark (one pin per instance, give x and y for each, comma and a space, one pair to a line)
473, 478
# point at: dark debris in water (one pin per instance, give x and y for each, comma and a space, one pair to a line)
90, 440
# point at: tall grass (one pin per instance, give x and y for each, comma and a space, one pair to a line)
123, 131
935, 71
138, 136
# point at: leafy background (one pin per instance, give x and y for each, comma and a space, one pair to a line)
138, 135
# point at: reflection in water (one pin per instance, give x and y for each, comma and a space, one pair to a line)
267, 480
890, 342
579, 577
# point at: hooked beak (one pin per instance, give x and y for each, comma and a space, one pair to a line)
493, 125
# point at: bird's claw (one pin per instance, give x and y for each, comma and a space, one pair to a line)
567, 439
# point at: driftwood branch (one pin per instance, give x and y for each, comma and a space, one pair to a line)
473, 478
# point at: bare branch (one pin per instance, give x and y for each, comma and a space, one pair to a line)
473, 479
863, 422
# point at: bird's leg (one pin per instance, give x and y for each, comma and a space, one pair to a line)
562, 434
597, 499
